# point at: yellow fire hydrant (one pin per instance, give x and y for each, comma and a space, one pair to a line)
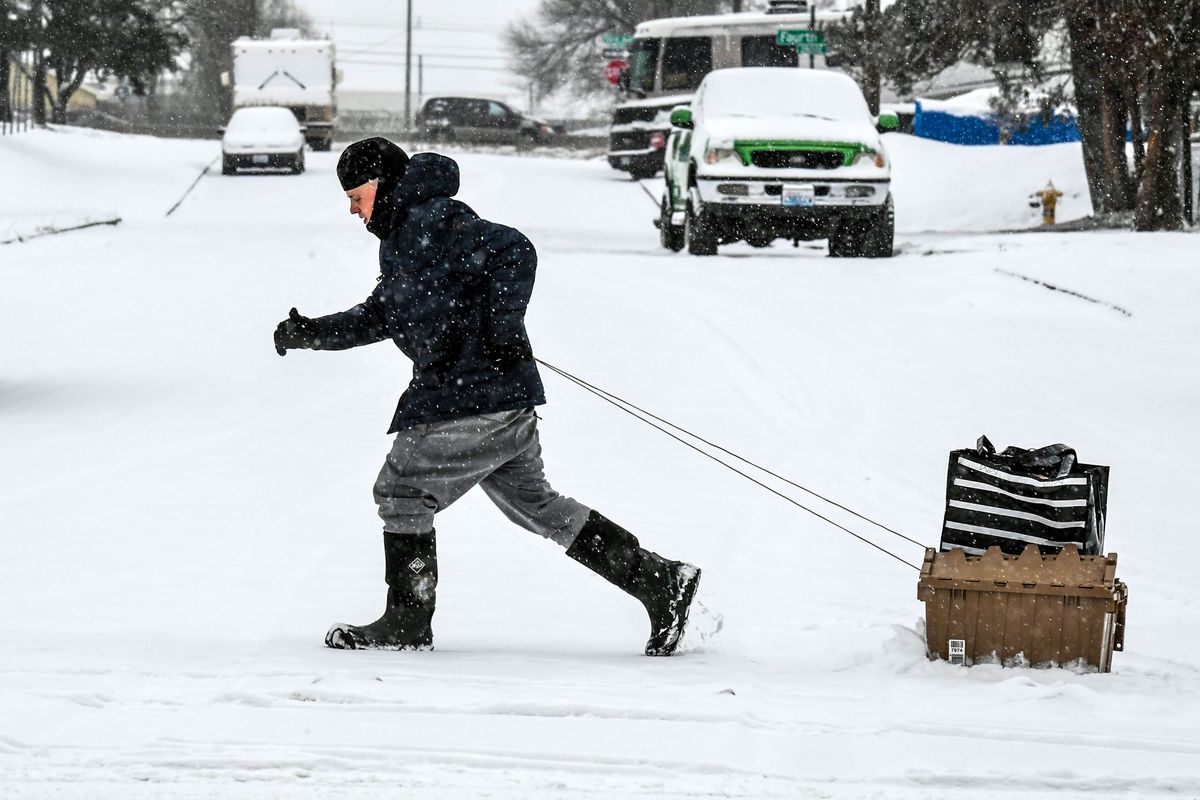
1048, 197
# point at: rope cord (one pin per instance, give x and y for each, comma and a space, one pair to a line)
636, 412
747, 461
649, 194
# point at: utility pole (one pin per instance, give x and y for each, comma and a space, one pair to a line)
871, 73
420, 78
408, 67
1186, 135
812, 26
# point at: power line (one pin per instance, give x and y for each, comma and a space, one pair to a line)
438, 66
418, 26
427, 54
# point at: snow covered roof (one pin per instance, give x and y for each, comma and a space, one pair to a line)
746, 22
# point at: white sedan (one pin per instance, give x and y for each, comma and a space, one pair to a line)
262, 137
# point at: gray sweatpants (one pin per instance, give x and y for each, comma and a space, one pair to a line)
430, 466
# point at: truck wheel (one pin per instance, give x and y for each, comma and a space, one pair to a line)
879, 239
846, 241
642, 173
228, 165
298, 163
321, 145
670, 236
698, 233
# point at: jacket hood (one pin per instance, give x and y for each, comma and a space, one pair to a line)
428, 175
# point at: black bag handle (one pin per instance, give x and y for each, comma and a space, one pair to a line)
1054, 459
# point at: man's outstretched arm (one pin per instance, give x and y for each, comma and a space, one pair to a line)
363, 324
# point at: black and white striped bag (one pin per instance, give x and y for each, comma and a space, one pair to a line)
1018, 497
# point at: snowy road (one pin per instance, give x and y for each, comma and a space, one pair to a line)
182, 512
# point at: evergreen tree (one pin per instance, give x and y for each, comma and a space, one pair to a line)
134, 40
1134, 66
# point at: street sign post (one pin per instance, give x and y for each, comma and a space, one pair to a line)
612, 70
803, 41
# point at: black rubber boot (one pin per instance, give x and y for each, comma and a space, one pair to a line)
411, 574
664, 587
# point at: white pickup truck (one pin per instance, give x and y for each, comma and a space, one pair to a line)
765, 153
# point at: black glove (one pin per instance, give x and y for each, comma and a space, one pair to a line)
294, 333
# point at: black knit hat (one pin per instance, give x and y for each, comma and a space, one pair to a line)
371, 158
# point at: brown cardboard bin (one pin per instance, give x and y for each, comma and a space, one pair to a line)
1031, 609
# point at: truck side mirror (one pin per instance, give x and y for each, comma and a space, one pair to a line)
681, 117
888, 122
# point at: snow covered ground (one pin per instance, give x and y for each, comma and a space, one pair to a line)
182, 512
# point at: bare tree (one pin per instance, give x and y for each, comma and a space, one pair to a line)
212, 26
15, 37
1103, 40
1174, 56
1134, 66
560, 44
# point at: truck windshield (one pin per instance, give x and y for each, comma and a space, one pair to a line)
643, 60
762, 51
685, 63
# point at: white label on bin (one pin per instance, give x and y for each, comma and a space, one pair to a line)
958, 651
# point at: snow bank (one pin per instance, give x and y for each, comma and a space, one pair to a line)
64, 177
946, 187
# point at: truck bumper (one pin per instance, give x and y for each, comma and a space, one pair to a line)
643, 161
734, 222
752, 208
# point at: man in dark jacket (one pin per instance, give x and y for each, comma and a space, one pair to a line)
451, 295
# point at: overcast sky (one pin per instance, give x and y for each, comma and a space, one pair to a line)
460, 41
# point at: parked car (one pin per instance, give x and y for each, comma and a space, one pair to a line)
474, 119
262, 137
765, 153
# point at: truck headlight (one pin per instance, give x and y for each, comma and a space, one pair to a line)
870, 157
714, 155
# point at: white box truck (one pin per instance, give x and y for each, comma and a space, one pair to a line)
287, 70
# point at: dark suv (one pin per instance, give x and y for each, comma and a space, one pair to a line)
473, 119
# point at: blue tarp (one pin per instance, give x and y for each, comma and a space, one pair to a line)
983, 129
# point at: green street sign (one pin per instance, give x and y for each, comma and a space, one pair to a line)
619, 41
798, 38
810, 49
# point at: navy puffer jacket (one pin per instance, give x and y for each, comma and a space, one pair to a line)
452, 294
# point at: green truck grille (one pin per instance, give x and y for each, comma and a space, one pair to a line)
815, 155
